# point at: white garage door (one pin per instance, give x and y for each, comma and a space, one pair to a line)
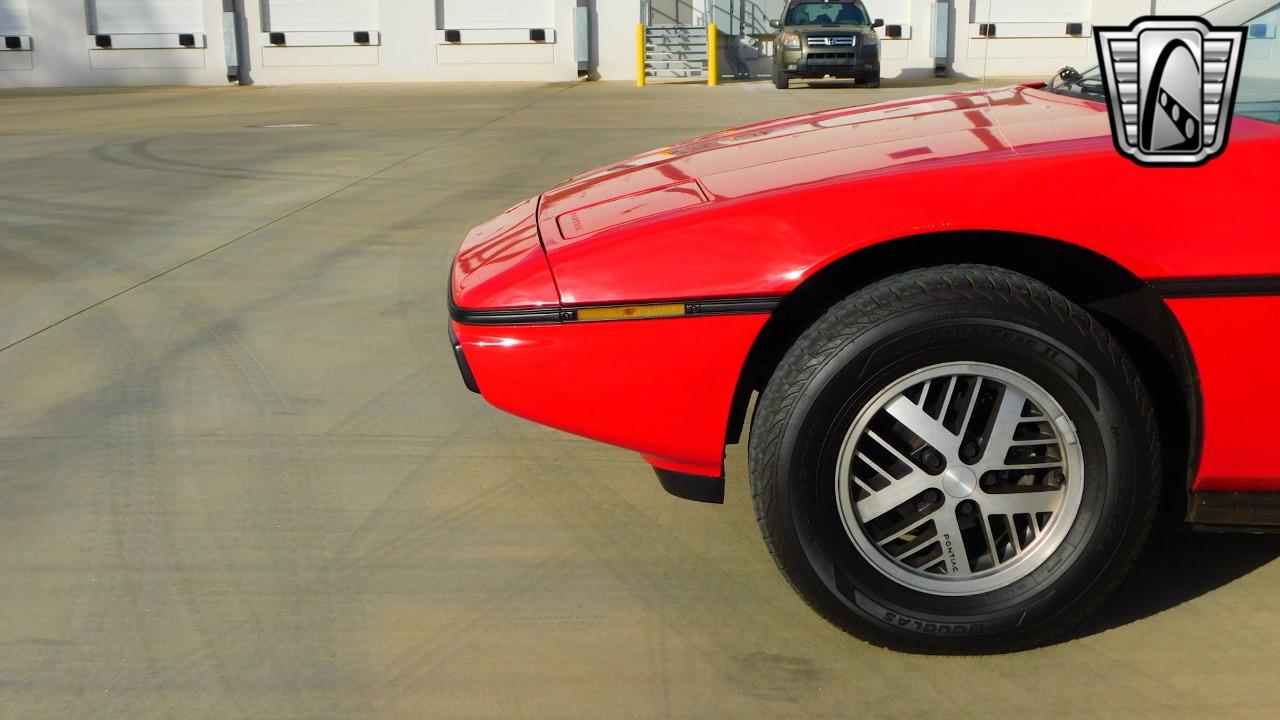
1185, 7
497, 14
13, 17
320, 15
147, 16
1018, 11
893, 12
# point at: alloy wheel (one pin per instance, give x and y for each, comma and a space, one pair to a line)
959, 478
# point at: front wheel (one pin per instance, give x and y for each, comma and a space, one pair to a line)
780, 80
958, 459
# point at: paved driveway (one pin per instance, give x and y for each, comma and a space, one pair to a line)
241, 478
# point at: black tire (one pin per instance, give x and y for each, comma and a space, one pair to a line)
780, 80
874, 83
964, 313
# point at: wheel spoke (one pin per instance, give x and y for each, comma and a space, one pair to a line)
1012, 528
915, 419
888, 476
992, 551
948, 396
973, 400
897, 455
898, 492
949, 530
924, 392
1000, 438
1028, 466
1018, 503
912, 528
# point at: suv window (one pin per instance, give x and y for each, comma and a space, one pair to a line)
1259, 92
826, 13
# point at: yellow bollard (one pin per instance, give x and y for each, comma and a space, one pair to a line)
713, 64
640, 56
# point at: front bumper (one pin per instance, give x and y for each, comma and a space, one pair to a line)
468, 377
661, 387
838, 61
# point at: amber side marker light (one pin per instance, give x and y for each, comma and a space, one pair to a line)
631, 312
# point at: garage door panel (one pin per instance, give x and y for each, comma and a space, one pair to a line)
496, 14
320, 15
893, 12
1185, 7
1009, 11
13, 17
147, 16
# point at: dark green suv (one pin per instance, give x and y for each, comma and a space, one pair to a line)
826, 39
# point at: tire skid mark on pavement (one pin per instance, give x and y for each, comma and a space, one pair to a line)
700, 612
117, 499
18, 212
360, 568
415, 668
14, 261
77, 450
146, 150
355, 420
223, 643
305, 646
139, 155
420, 535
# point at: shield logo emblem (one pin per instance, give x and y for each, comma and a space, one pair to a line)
1171, 87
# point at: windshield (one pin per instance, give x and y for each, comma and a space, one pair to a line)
1087, 84
826, 13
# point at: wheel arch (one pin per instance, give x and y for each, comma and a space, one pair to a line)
1134, 313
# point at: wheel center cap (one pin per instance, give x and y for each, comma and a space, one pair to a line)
959, 482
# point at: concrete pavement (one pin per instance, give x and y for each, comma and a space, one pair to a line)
240, 476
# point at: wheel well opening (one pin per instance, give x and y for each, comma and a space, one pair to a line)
1128, 307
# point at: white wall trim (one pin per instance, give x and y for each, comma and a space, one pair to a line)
23, 40
1029, 30
148, 41
321, 38
906, 32
497, 37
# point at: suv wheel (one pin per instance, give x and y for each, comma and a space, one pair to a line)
957, 459
780, 80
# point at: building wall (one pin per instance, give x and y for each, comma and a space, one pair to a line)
410, 49
410, 45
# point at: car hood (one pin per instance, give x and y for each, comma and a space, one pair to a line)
991, 125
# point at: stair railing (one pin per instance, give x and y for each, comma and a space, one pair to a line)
707, 19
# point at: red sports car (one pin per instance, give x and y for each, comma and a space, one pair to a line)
986, 344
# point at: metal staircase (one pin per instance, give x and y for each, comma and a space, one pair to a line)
673, 39
675, 51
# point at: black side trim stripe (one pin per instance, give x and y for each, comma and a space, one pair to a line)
521, 316
1242, 286
543, 316
732, 306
